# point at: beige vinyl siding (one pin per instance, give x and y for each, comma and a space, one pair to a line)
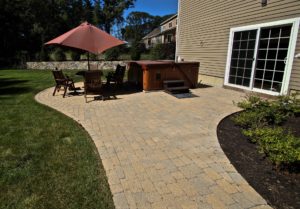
166, 25
204, 27
295, 76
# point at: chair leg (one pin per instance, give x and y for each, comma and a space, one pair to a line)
85, 97
65, 91
55, 88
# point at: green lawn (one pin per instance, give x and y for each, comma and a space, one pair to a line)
47, 161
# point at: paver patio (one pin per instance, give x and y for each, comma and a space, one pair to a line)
162, 152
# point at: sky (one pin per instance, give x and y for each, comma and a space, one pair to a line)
154, 7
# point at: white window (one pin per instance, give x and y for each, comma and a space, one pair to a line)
260, 57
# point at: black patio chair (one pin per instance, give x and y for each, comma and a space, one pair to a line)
117, 76
93, 84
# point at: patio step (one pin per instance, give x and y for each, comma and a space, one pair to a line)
175, 87
173, 83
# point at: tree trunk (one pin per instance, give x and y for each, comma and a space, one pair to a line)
107, 27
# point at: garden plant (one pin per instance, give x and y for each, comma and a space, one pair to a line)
262, 120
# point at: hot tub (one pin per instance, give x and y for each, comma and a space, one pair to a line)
152, 74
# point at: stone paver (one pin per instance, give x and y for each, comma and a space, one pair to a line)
162, 152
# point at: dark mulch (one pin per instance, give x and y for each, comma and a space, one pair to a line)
281, 189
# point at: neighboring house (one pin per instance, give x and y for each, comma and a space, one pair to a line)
165, 33
168, 29
250, 45
152, 38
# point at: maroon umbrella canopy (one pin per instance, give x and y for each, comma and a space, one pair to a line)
87, 37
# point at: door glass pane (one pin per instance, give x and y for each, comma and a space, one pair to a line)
282, 54
263, 44
283, 43
232, 71
257, 83
260, 64
250, 54
273, 43
272, 52
262, 54
242, 57
268, 75
234, 62
277, 86
278, 76
259, 74
275, 32
270, 64
240, 72
248, 73
280, 65
286, 31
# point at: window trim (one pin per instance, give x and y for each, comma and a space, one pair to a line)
290, 56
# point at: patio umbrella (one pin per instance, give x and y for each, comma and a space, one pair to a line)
87, 37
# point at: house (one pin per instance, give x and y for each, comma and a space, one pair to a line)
165, 33
168, 29
249, 45
152, 38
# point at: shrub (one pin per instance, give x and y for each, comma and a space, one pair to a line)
250, 119
156, 52
252, 102
112, 54
75, 55
259, 120
59, 55
289, 104
43, 55
136, 51
93, 56
260, 112
163, 51
279, 146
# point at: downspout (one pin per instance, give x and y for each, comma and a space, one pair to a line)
177, 31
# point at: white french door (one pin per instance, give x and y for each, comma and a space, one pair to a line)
260, 57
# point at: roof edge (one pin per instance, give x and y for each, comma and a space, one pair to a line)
167, 20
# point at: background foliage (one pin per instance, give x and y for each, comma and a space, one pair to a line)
27, 24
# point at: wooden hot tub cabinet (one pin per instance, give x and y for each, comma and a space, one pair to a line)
155, 72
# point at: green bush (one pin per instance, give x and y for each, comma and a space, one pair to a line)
59, 55
260, 112
136, 51
93, 57
112, 54
75, 55
250, 119
289, 104
163, 51
259, 120
279, 146
43, 55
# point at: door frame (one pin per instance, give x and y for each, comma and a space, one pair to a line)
290, 56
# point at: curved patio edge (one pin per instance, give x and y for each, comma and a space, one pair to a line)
162, 152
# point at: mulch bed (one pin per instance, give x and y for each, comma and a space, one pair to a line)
281, 189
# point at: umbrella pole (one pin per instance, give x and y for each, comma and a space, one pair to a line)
88, 57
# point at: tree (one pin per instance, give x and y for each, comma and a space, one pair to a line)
88, 11
139, 24
97, 13
112, 12
27, 24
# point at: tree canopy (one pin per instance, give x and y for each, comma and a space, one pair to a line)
139, 24
27, 24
